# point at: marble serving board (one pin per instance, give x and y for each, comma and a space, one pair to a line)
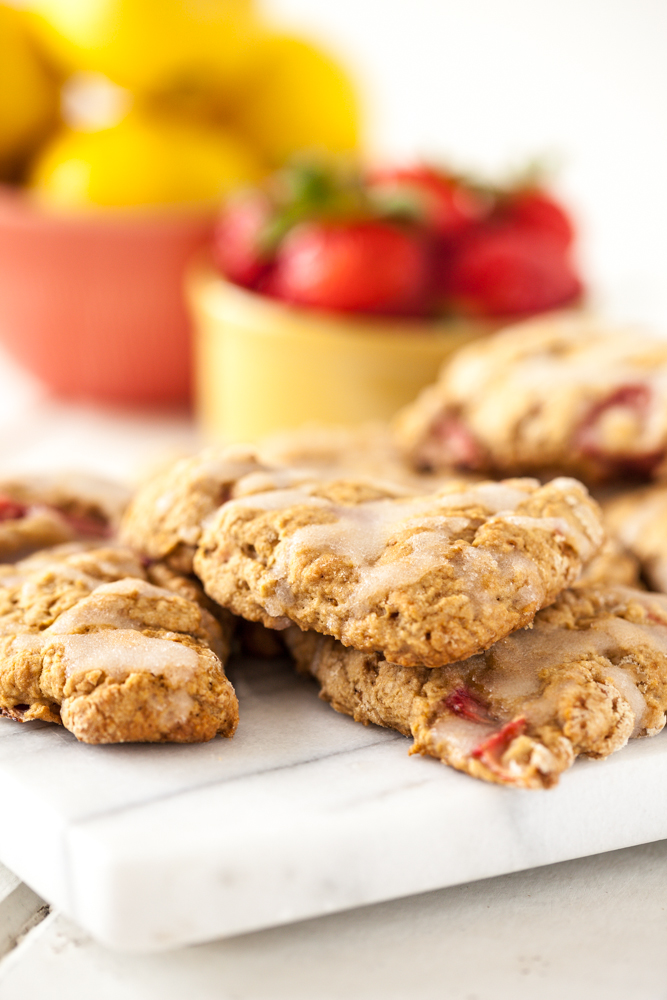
303, 813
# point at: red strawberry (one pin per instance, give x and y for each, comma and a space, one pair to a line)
464, 704
441, 203
238, 238
537, 210
502, 269
492, 750
362, 266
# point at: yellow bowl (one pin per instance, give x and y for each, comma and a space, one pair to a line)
263, 366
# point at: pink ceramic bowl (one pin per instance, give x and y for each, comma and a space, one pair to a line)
93, 304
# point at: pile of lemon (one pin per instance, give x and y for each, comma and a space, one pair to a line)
154, 102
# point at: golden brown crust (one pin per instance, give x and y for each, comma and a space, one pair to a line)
591, 673
562, 393
85, 640
428, 580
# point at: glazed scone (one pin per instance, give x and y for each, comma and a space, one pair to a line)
50, 581
427, 580
85, 640
38, 511
588, 676
638, 519
565, 393
165, 518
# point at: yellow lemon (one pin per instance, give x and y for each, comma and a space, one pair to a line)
296, 98
148, 44
28, 93
142, 161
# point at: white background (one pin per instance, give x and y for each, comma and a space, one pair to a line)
491, 84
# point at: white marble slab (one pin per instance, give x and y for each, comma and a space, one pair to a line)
303, 813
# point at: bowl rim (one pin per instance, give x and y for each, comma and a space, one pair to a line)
223, 300
18, 205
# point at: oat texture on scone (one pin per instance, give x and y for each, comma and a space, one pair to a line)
38, 511
563, 393
426, 580
588, 676
638, 518
87, 641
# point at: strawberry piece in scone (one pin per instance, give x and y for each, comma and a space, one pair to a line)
590, 675
563, 393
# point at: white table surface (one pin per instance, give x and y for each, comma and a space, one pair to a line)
594, 927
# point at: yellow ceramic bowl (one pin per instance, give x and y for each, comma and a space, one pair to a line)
263, 366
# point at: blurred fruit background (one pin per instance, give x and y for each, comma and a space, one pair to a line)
491, 84
125, 123
170, 102
123, 126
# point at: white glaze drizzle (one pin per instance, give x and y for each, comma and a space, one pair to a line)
626, 686
461, 736
516, 662
93, 611
364, 533
121, 652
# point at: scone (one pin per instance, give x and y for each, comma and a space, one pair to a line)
87, 641
165, 518
564, 393
588, 676
38, 511
427, 580
638, 519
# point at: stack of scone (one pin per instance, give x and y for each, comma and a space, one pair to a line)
489, 619
94, 637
